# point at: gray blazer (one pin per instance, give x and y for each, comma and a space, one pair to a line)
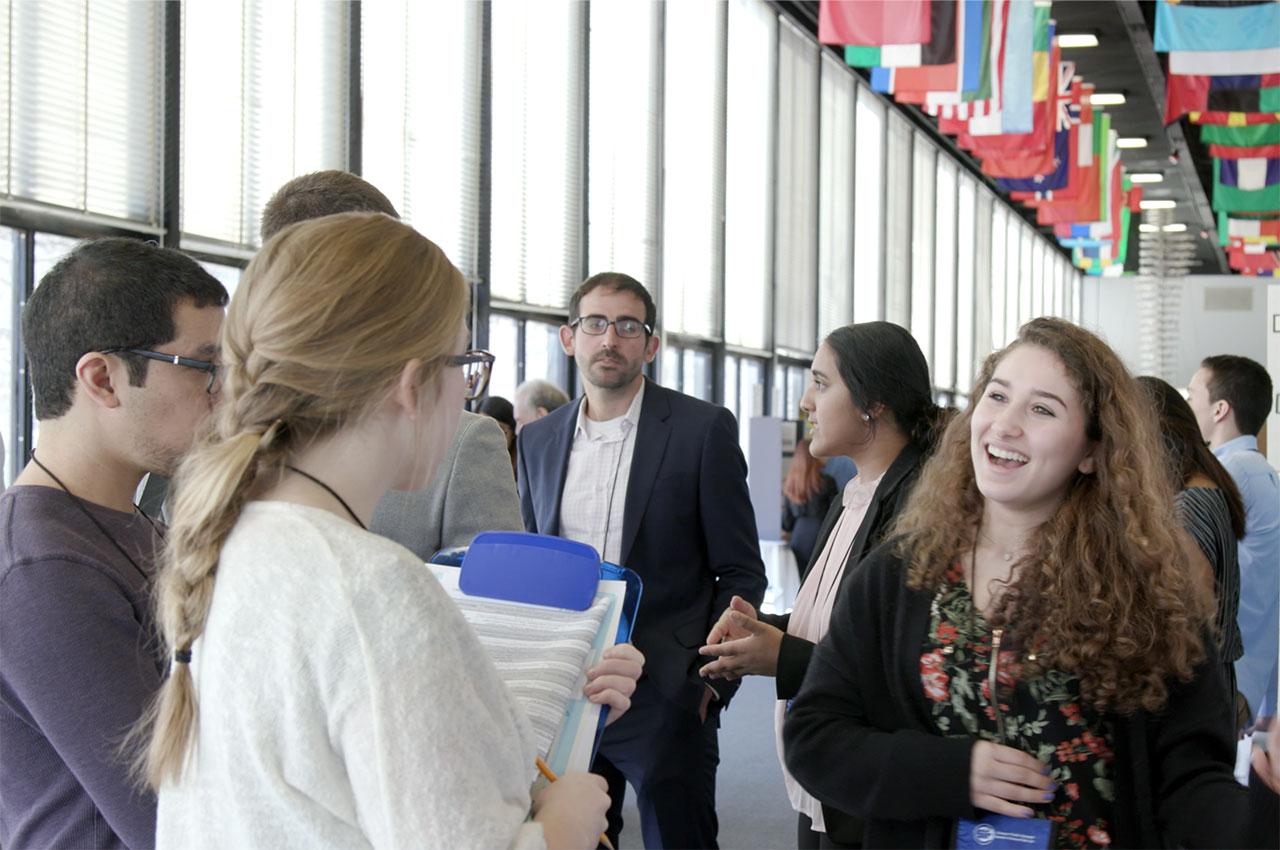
474, 490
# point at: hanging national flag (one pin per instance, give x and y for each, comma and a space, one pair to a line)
972, 24
1245, 137
1080, 151
937, 48
951, 115
1225, 62
1185, 93
1250, 174
1079, 201
1056, 179
873, 22
938, 70
1025, 25
1231, 198
1234, 119
1248, 230
1180, 26
1008, 147
1235, 152
1038, 154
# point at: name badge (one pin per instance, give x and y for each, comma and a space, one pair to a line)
1001, 832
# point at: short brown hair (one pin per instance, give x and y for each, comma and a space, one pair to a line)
319, 194
617, 282
1242, 383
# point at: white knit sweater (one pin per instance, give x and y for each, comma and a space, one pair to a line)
344, 703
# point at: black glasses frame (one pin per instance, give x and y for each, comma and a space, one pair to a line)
478, 381
213, 369
648, 329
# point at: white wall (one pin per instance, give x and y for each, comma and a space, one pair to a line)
1166, 326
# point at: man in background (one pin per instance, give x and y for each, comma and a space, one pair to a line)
654, 480
474, 489
122, 341
1231, 397
536, 398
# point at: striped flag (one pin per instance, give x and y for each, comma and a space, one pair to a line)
1239, 152
1202, 93
1205, 29
1245, 137
1227, 198
1250, 174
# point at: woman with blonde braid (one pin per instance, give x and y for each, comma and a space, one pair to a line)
1025, 655
324, 690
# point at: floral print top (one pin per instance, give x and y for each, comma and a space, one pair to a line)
1040, 712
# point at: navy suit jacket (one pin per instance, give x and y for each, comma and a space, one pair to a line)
688, 527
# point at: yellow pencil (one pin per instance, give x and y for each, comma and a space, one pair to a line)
551, 777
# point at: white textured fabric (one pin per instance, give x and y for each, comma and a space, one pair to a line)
344, 703
1263, 60
595, 484
1251, 173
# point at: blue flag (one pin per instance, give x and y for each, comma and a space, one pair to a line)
1182, 27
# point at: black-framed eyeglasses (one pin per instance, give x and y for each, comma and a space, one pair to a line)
477, 364
625, 327
213, 369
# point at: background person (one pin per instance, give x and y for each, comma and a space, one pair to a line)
499, 410
807, 493
388, 725
536, 398
1029, 643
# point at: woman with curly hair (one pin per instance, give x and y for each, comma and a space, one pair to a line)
1028, 644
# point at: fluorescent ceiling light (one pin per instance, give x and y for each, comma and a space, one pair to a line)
1147, 177
1078, 39
1113, 98
1158, 205
1131, 142
1148, 228
1177, 227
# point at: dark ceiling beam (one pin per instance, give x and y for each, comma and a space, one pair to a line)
1153, 75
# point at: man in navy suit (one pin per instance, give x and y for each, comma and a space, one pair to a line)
655, 481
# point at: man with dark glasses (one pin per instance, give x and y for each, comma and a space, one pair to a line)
122, 340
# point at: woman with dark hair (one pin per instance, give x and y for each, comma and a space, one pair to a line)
501, 411
1209, 505
1027, 655
807, 493
870, 399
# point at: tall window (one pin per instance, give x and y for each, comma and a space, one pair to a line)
748, 213
835, 198
795, 245
923, 224
264, 99
421, 120
693, 188
999, 264
504, 343
944, 292
543, 356
1027, 282
81, 106
537, 111
623, 149
868, 206
966, 261
1013, 278
897, 221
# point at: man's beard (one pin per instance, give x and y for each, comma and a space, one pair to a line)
614, 381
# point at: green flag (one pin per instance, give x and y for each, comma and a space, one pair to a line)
1251, 136
1233, 199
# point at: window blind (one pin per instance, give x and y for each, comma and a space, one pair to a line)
82, 106
982, 284
966, 285
868, 206
835, 198
999, 266
944, 291
897, 222
420, 139
748, 214
923, 225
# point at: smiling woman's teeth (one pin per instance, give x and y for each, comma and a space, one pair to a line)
1001, 454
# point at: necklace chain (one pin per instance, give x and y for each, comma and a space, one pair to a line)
330, 491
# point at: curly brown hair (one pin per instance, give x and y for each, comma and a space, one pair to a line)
1106, 591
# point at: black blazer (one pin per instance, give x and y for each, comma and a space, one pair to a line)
688, 527
899, 478
859, 735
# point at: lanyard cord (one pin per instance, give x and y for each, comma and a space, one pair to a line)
608, 511
79, 503
328, 490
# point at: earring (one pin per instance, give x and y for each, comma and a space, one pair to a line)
866, 417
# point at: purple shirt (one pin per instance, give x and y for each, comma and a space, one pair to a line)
78, 665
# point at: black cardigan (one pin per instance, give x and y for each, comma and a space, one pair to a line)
890, 495
859, 736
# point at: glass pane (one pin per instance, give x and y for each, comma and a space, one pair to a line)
981, 286
835, 198
697, 374
537, 151
729, 391
623, 149
420, 66
965, 261
868, 205
264, 99
693, 168
796, 376
897, 223
8, 392
504, 344
669, 374
923, 183
944, 293
228, 276
1013, 278
999, 234
751, 383
748, 255
543, 356
1027, 282
795, 273
48, 250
